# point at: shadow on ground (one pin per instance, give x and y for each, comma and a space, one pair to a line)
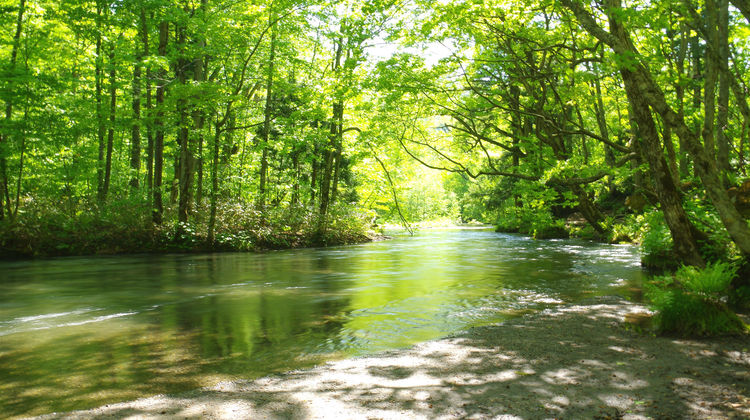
573, 362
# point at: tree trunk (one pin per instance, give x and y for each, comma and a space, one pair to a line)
198, 121
327, 167
20, 165
743, 143
325, 180
159, 125
294, 202
174, 186
261, 203
338, 152
135, 143
185, 159
671, 155
584, 143
338, 161
101, 128
685, 244
697, 73
710, 80
200, 62
589, 210
645, 88
149, 108
199, 167
638, 176
4, 137
684, 160
214, 185
314, 169
722, 118
111, 128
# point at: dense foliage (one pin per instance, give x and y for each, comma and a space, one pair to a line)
147, 124
604, 120
164, 124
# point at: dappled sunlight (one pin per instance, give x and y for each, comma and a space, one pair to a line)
499, 371
135, 326
738, 357
564, 376
524, 352
607, 142
624, 380
75, 377
630, 350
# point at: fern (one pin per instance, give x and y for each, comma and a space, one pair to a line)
711, 281
693, 301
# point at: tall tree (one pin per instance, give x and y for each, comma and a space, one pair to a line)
161, 79
5, 135
112, 118
722, 119
642, 82
101, 124
135, 142
266, 130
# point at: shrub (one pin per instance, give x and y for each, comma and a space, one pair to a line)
694, 301
656, 242
125, 226
345, 224
45, 228
534, 217
717, 246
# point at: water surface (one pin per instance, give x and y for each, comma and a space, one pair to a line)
80, 332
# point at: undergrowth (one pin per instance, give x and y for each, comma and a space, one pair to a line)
693, 302
125, 226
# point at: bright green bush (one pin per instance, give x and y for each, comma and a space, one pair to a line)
531, 213
717, 246
656, 242
693, 302
650, 229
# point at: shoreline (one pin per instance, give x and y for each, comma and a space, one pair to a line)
302, 243
573, 361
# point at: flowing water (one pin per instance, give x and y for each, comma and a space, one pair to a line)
81, 332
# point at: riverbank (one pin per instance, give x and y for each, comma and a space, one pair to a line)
129, 229
576, 361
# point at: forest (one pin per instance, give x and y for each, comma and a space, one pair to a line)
153, 125
176, 177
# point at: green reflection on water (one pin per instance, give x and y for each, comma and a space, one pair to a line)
80, 332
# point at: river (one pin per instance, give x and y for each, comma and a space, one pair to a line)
81, 332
